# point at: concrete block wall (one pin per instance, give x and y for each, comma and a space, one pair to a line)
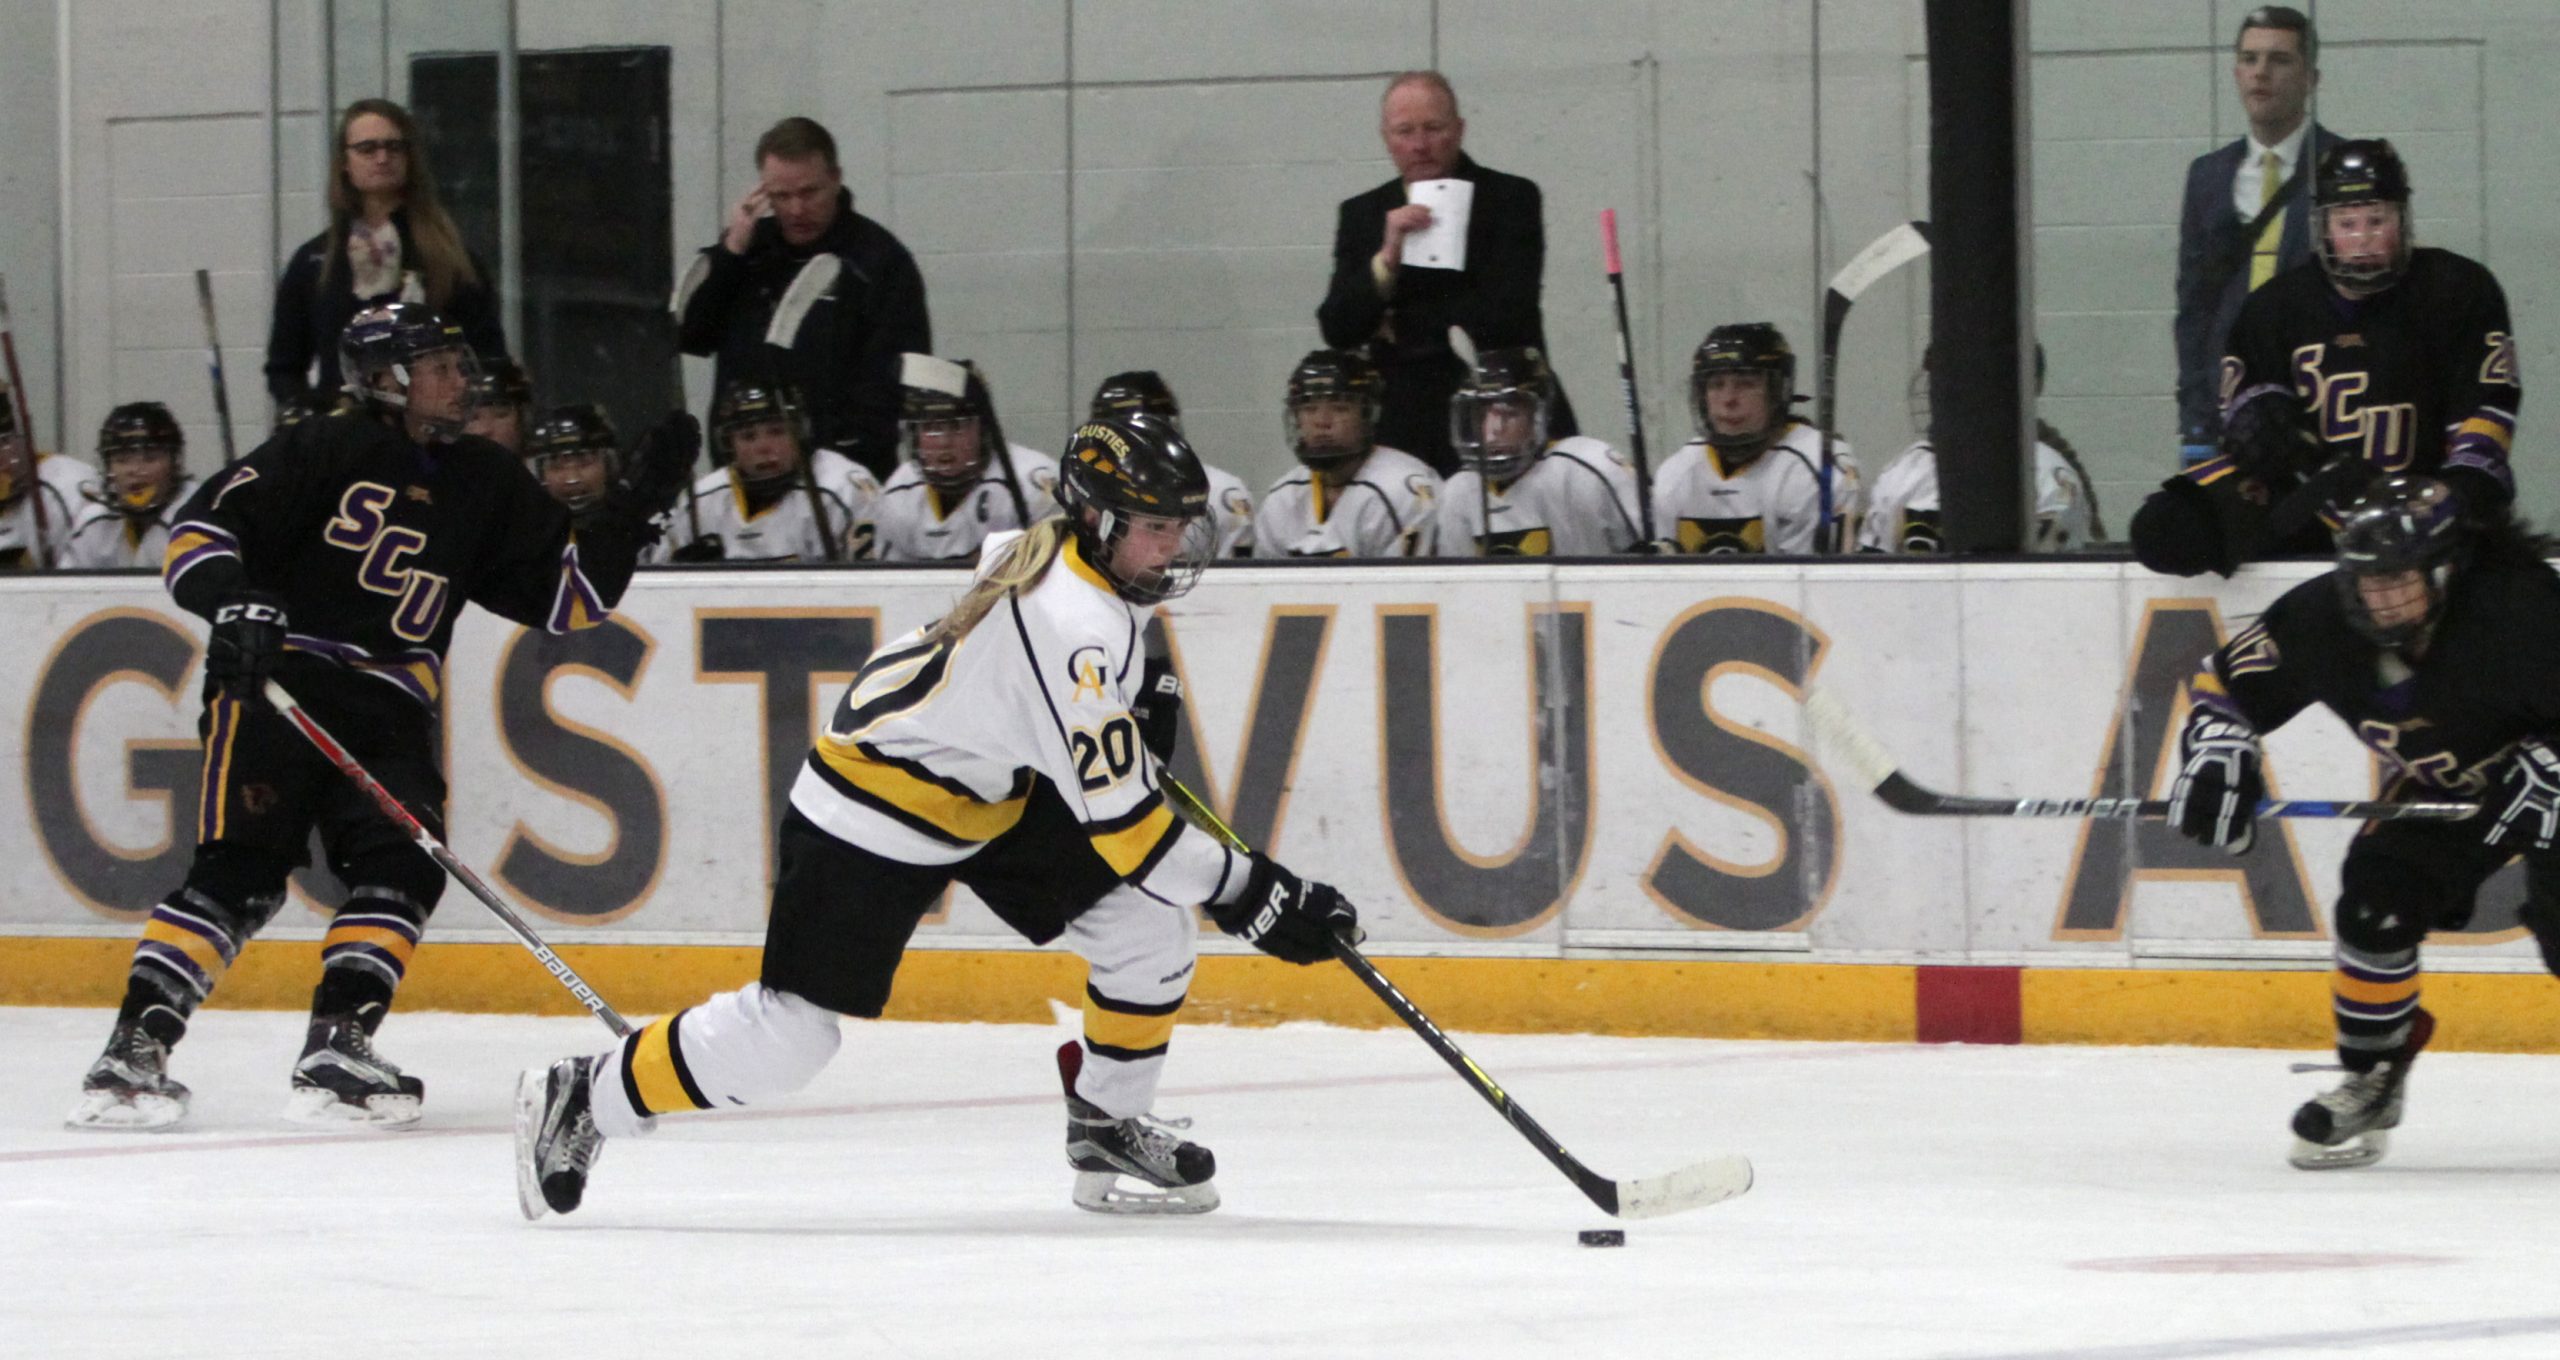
1094, 185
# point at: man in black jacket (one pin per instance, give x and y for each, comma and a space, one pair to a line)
1402, 314
802, 290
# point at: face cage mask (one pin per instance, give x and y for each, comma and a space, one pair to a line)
1326, 455
152, 497
1916, 397
586, 500
1774, 422
911, 437
2361, 280
790, 471
2432, 580
436, 429
1175, 578
1496, 463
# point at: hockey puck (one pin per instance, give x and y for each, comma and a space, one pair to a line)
1602, 1237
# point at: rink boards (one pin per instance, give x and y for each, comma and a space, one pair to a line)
1582, 792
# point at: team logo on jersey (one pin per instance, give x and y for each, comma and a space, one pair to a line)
1084, 671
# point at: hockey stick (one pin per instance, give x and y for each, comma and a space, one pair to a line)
1838, 734
807, 286
1882, 256
213, 361
1627, 374
26, 430
1691, 1187
400, 817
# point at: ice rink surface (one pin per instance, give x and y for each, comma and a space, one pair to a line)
2101, 1204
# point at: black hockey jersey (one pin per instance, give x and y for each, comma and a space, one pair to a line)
374, 542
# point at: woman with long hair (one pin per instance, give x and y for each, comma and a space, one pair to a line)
389, 240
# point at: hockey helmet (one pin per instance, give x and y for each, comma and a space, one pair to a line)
941, 420
575, 454
2399, 549
1330, 380
1744, 347
382, 347
2362, 173
1133, 489
744, 409
143, 453
1139, 389
502, 382
1498, 416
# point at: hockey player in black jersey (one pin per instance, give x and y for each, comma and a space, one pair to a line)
334, 560
2382, 357
2437, 641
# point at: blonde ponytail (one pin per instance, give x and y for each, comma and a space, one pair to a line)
1021, 565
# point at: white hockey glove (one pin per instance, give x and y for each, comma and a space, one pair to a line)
2215, 800
2531, 785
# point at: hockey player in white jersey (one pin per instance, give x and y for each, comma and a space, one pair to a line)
575, 455
996, 747
40, 496
1143, 390
767, 505
953, 488
1751, 482
1902, 510
1350, 496
1571, 497
124, 515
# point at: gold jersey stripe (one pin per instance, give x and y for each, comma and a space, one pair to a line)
955, 814
1128, 848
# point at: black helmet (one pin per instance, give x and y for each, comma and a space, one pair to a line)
140, 428
1746, 347
934, 395
382, 342
581, 430
1502, 378
1335, 377
1136, 465
502, 383
2354, 173
1138, 390
2403, 525
744, 405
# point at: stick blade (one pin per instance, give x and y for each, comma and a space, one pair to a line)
1692, 1187
1882, 256
1837, 734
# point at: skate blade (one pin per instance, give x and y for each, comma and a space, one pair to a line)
2362, 1150
318, 1107
125, 1112
532, 1089
1101, 1192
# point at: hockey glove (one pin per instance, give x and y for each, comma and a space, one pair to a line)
662, 465
248, 636
2267, 438
1286, 916
2215, 800
2531, 789
1159, 708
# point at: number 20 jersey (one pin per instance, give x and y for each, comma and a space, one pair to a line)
933, 749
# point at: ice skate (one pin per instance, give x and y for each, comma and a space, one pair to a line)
2351, 1126
341, 1080
128, 1087
556, 1136
1142, 1148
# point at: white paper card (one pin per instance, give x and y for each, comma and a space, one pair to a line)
1443, 244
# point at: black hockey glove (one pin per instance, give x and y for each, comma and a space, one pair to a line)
662, 465
2215, 800
1285, 916
2269, 439
1159, 708
2528, 797
707, 548
248, 636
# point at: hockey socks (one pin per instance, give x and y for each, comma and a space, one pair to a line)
738, 1048
2375, 996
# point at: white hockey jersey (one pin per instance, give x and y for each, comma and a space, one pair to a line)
1231, 509
1577, 500
915, 521
1771, 505
1386, 509
57, 485
107, 537
1902, 515
933, 748
786, 530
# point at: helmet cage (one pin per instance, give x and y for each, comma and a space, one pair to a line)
1331, 389
1109, 484
2365, 279
1506, 461
2408, 526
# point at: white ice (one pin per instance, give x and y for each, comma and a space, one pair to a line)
2113, 1204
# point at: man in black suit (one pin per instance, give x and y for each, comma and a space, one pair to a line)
1401, 314
2248, 207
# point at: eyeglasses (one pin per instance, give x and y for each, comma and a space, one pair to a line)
380, 146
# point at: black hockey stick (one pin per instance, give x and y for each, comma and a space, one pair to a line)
1627, 374
1691, 1187
1838, 734
400, 817
1882, 256
213, 362
26, 418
